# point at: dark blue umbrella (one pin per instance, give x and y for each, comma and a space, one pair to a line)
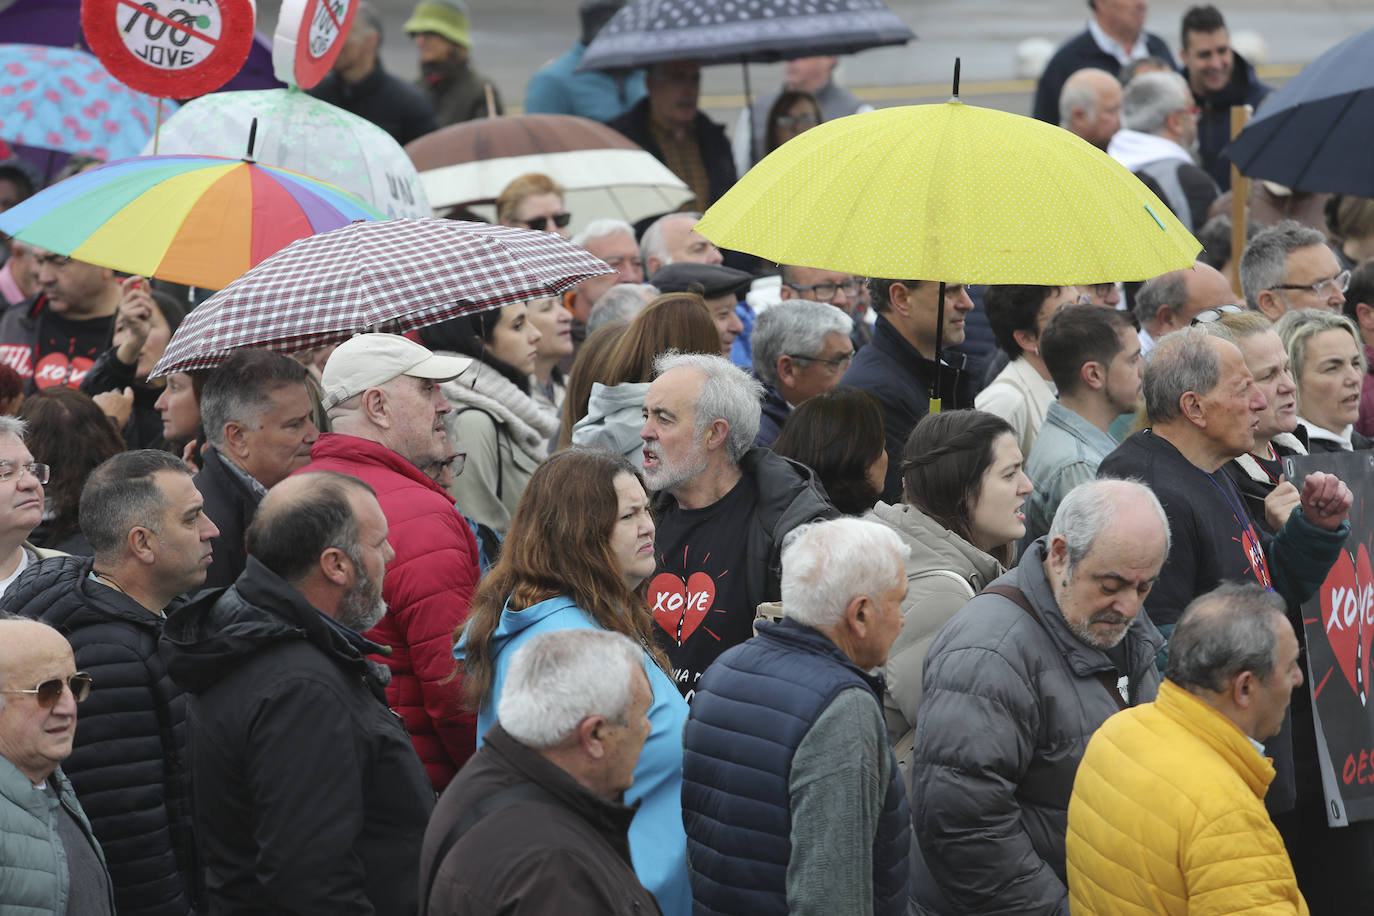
1316, 133
740, 31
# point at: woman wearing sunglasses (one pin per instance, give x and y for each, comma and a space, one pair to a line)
577, 556
533, 201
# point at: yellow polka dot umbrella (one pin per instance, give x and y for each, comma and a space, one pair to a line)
950, 192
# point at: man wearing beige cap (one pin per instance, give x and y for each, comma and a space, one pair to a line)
382, 395
442, 36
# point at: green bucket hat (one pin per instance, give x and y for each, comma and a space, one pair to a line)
448, 18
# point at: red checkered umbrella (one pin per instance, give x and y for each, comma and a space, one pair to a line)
394, 275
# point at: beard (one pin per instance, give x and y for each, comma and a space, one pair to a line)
361, 607
1085, 634
670, 475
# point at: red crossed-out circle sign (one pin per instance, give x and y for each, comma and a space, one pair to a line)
172, 49
309, 35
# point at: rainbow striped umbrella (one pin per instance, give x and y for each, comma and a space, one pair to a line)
198, 220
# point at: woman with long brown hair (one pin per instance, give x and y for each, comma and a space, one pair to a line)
673, 321
578, 552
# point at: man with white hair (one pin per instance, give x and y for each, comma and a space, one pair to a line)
809, 815
1015, 684
21, 490
1090, 106
613, 241
672, 239
1289, 266
306, 793
382, 394
1158, 142
536, 822
621, 302
723, 508
801, 349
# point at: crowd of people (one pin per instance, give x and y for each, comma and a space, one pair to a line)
672, 594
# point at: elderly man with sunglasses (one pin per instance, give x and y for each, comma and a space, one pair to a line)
146, 522
52, 862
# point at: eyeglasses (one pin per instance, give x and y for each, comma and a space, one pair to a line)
8, 469
560, 220
49, 692
837, 364
1340, 282
787, 122
826, 291
1206, 316
454, 463
1100, 290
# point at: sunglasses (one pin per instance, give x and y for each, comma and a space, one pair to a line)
1207, 316
49, 692
560, 220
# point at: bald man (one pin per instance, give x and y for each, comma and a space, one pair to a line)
59, 866
1171, 301
1090, 106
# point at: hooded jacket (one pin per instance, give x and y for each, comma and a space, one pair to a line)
1168, 170
428, 588
658, 843
308, 796
128, 761
560, 852
943, 572
1167, 816
614, 419
505, 433
1010, 701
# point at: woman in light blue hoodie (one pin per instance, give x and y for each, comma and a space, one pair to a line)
579, 548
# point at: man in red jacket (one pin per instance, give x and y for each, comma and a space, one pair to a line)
383, 399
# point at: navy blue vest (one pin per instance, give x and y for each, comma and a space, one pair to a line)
751, 710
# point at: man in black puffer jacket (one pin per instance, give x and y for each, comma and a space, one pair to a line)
144, 518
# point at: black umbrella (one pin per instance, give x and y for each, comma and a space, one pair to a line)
740, 31
1316, 133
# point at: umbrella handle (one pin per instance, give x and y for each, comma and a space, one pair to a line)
939, 347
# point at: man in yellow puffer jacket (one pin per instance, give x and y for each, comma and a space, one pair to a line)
1167, 813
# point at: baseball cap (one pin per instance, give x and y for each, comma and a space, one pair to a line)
369, 360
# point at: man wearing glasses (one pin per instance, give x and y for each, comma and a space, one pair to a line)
801, 349
842, 290
21, 503
1289, 266
52, 862
146, 522
53, 338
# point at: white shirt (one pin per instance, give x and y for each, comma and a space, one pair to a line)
23, 564
1109, 45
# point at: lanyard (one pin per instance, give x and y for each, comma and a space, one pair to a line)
1249, 541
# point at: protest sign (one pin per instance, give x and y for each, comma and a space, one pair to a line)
308, 38
172, 49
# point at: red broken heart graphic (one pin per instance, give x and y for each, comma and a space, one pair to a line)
679, 609
1347, 598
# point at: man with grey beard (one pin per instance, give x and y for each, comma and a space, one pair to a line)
723, 508
307, 794
1015, 684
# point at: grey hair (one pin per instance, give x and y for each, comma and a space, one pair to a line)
124, 493
13, 426
794, 327
600, 228
1149, 99
240, 390
1089, 508
1264, 264
1079, 92
1296, 328
1231, 629
1169, 289
652, 244
827, 564
558, 679
1182, 361
727, 393
620, 303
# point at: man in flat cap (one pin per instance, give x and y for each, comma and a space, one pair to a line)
719, 286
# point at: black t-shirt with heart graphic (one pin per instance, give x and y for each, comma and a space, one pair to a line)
700, 594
